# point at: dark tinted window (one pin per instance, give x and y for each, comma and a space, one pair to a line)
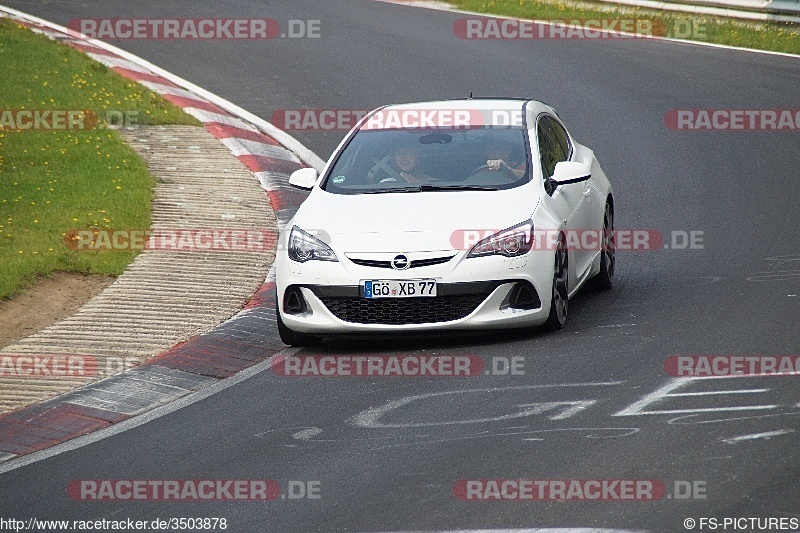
551, 151
560, 135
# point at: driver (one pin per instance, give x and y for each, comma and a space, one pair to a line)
500, 158
406, 159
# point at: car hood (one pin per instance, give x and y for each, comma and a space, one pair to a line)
409, 222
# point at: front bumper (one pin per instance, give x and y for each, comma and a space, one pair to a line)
332, 296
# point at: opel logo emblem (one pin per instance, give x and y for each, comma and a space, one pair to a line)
400, 262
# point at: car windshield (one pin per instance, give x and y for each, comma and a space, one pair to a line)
415, 160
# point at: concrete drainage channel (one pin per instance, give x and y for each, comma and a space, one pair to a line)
163, 299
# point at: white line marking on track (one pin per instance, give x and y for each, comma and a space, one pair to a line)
639, 408
370, 418
692, 419
756, 436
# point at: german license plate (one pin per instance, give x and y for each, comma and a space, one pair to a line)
412, 288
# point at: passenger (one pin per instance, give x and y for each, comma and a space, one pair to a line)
500, 158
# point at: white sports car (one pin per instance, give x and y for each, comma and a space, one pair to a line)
473, 214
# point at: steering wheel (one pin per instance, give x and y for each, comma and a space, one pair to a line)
383, 164
485, 168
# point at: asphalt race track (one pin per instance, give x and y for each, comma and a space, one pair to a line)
594, 401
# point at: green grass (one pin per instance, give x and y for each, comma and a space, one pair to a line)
748, 34
54, 181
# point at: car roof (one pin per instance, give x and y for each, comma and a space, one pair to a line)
483, 109
479, 103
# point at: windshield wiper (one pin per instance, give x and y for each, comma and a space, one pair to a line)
429, 187
458, 188
394, 189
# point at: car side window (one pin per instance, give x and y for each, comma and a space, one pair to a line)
550, 149
560, 135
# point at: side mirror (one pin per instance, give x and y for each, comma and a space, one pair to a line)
567, 172
304, 178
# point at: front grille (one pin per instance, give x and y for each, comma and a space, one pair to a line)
429, 262
371, 263
414, 264
399, 311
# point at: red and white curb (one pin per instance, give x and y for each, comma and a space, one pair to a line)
205, 361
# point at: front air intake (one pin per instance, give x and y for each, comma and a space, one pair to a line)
293, 301
523, 296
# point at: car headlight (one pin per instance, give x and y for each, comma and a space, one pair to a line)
305, 247
511, 242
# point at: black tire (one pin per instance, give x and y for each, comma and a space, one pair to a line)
604, 280
559, 297
294, 338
